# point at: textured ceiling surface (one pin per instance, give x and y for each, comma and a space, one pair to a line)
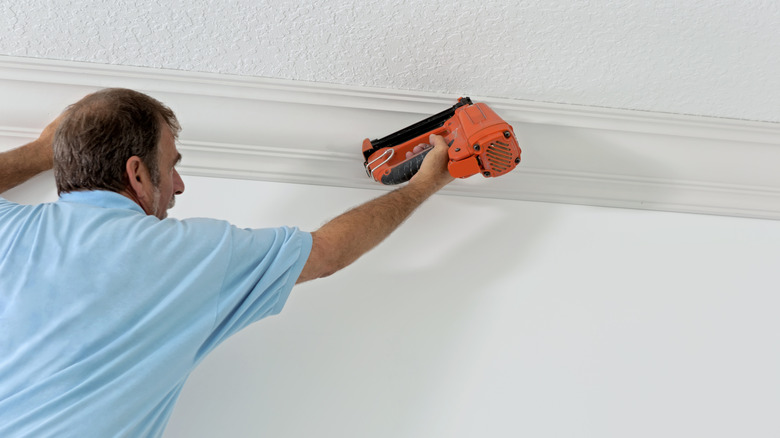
714, 58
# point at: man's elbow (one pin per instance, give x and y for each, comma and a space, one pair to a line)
323, 261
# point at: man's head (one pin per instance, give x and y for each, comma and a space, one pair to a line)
123, 141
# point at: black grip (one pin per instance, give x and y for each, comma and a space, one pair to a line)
405, 171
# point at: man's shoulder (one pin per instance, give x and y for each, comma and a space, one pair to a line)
9, 207
216, 232
6, 206
4, 201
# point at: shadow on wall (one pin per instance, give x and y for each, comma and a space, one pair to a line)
396, 319
594, 166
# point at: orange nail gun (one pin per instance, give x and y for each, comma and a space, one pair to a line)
479, 140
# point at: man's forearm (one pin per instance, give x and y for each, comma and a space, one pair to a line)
359, 230
20, 164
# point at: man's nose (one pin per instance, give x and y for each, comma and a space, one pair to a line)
178, 183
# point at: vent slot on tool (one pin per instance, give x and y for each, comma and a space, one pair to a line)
499, 157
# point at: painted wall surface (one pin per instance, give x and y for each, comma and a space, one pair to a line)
715, 58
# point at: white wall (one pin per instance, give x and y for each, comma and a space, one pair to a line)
496, 318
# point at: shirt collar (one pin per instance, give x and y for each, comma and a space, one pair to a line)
101, 198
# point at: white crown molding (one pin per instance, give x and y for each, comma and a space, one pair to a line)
310, 133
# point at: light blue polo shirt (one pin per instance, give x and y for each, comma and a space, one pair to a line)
104, 311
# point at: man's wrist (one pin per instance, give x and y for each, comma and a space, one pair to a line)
421, 189
431, 183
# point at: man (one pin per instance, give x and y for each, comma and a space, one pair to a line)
106, 306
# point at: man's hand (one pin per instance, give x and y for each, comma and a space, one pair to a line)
342, 240
20, 164
45, 141
433, 171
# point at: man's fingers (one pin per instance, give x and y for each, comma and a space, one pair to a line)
434, 168
417, 149
440, 146
437, 140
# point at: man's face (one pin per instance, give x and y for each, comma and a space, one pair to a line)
171, 183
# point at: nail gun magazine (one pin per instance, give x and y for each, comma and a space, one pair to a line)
479, 142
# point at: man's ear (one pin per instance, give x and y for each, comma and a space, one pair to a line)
138, 177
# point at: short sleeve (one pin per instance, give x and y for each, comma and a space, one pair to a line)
263, 267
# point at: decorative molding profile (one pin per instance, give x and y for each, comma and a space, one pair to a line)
310, 133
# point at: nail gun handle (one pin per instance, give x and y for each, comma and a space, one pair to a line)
405, 171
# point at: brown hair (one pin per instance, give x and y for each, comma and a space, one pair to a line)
101, 132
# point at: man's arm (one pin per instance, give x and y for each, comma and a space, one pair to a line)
20, 164
342, 240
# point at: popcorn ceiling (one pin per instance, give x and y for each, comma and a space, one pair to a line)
716, 58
